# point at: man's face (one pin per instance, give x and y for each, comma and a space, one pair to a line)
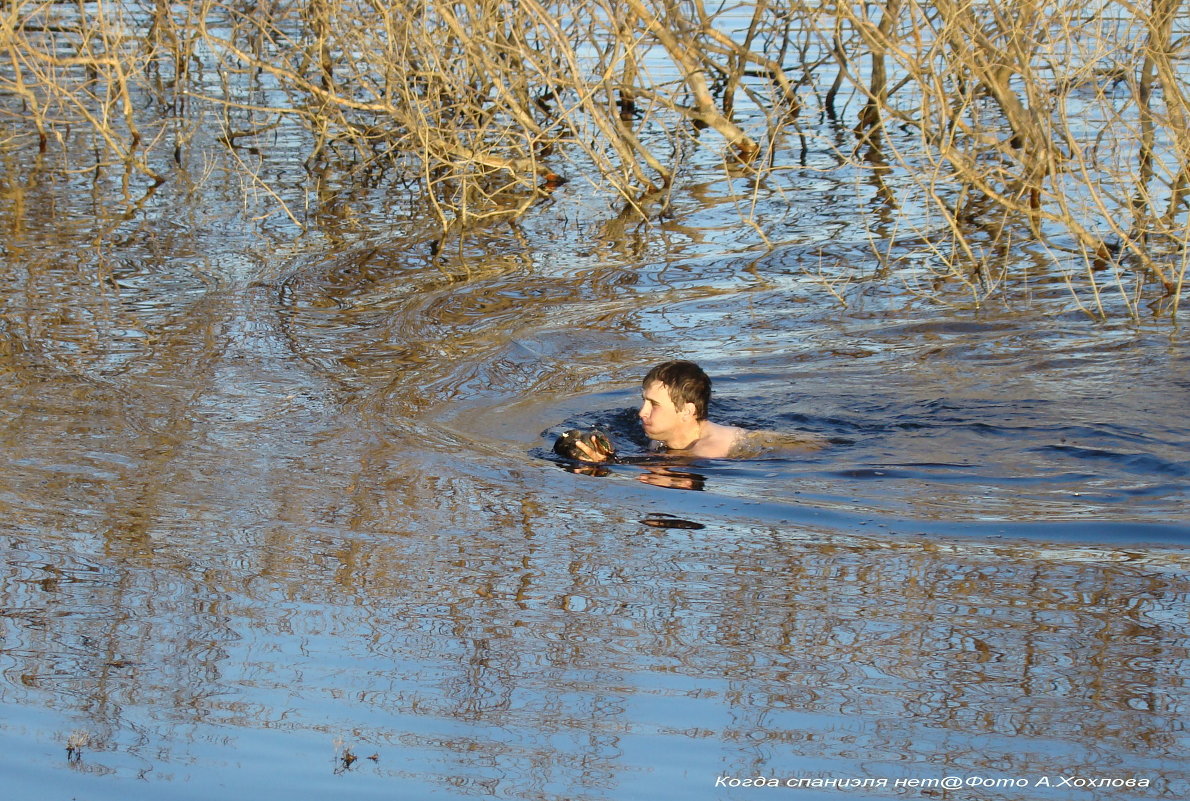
660, 418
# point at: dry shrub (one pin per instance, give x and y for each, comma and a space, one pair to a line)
1064, 125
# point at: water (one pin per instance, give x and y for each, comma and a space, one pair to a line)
280, 519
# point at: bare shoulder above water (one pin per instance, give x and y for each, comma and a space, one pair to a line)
754, 444
765, 444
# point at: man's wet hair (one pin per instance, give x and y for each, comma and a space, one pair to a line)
686, 383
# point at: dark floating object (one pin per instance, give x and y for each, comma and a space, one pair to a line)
596, 441
659, 520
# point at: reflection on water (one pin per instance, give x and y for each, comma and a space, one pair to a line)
267, 506
497, 646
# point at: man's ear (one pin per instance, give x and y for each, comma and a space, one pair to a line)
688, 409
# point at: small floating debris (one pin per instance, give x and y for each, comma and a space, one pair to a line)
661, 520
345, 757
75, 744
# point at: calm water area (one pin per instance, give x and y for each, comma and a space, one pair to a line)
280, 518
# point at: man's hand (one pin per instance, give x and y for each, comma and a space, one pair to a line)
585, 446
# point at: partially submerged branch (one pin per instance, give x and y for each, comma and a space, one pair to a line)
977, 111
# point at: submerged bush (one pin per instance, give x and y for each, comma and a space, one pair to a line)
1060, 125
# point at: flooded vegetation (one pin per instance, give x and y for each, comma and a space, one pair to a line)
293, 309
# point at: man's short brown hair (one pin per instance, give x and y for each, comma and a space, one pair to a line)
686, 383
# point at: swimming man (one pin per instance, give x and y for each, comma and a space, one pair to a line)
675, 396
674, 413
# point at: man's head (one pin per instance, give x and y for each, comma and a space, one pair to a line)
685, 382
674, 401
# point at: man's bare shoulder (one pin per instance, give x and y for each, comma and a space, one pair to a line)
757, 444
732, 442
717, 441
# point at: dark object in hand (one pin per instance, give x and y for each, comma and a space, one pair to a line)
585, 446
